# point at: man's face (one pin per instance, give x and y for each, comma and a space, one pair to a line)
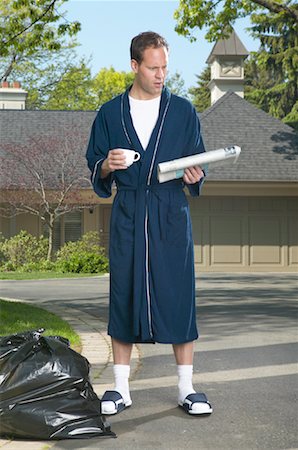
150, 74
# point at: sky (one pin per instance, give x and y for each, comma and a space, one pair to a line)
109, 26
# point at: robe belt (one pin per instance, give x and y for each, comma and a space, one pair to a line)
152, 187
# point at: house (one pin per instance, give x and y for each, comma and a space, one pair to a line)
247, 217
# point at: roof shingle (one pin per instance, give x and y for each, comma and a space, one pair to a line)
269, 148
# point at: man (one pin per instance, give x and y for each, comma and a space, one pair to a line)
152, 290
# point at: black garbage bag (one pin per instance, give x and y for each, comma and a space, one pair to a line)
45, 392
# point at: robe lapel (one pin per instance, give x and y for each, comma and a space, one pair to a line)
128, 125
146, 155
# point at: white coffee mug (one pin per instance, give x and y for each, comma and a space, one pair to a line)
130, 156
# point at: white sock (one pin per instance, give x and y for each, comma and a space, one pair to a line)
121, 374
185, 386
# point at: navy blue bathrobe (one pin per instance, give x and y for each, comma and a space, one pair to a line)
152, 288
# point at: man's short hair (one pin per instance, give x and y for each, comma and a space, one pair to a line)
142, 41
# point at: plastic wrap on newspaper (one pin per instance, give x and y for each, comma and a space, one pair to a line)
45, 392
174, 169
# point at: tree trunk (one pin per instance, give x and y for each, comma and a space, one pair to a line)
51, 238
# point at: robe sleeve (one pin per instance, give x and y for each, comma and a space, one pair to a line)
194, 146
97, 151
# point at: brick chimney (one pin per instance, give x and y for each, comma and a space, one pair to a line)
12, 96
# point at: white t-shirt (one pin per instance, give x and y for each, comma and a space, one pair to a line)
144, 115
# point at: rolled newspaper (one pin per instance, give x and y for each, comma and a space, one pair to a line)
171, 170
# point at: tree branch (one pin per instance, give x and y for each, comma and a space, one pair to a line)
4, 43
277, 8
9, 68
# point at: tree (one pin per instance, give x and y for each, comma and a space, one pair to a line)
277, 62
108, 83
272, 72
45, 176
28, 27
35, 48
74, 91
268, 91
291, 119
175, 83
40, 78
200, 95
219, 16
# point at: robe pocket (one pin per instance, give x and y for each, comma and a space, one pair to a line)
124, 223
177, 225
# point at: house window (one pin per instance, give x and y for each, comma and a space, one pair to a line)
73, 226
57, 235
67, 228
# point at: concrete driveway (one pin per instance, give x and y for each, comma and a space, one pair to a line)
246, 362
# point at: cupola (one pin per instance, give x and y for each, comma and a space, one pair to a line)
226, 61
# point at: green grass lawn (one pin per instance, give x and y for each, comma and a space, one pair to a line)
42, 275
16, 317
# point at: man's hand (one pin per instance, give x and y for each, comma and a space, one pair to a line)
114, 161
193, 175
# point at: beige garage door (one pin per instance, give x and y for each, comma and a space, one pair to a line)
232, 234
245, 233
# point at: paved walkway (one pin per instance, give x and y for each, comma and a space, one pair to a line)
246, 361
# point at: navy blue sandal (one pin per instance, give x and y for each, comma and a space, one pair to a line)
196, 404
112, 403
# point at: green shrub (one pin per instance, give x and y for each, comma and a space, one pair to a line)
2, 255
89, 242
41, 266
23, 249
8, 267
85, 262
83, 256
26, 253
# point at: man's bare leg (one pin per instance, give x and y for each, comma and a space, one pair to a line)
121, 352
184, 353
